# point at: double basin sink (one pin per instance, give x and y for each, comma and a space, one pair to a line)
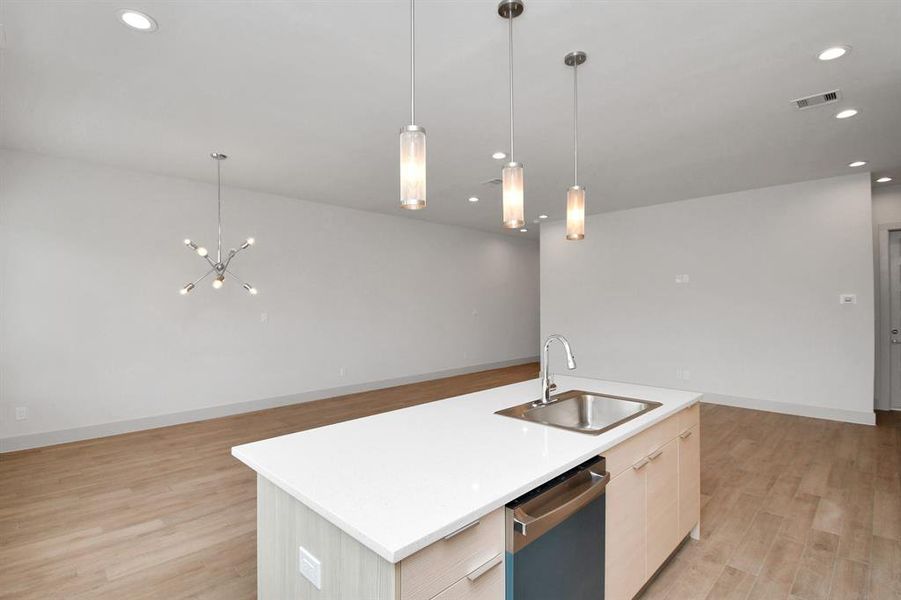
580, 411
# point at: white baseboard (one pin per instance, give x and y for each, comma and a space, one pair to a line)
801, 410
75, 434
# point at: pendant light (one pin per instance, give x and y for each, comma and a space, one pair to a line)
219, 267
512, 175
575, 195
412, 140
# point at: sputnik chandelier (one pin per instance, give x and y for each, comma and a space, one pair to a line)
219, 267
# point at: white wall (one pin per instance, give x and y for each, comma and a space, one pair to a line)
93, 330
759, 324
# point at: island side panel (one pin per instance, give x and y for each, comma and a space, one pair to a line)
350, 571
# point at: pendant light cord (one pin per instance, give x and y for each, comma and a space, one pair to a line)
576, 123
510, 45
412, 62
219, 210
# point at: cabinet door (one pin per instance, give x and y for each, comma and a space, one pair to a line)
625, 540
689, 479
662, 505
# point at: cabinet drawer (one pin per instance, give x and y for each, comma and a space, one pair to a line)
486, 583
624, 455
437, 567
689, 417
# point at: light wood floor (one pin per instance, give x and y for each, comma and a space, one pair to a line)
792, 508
792, 505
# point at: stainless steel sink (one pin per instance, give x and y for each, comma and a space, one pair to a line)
581, 411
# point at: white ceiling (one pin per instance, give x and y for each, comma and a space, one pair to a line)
679, 99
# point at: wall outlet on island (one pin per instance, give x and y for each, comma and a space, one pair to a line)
21, 413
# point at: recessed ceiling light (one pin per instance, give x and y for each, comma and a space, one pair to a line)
883, 180
857, 163
542, 216
833, 52
846, 114
473, 199
499, 155
137, 20
523, 230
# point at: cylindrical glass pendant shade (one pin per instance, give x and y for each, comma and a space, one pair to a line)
575, 213
513, 192
412, 167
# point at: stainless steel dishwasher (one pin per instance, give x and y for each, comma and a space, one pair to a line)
555, 537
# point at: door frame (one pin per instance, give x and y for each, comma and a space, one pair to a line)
883, 400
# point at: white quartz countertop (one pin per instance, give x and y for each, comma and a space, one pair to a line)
400, 480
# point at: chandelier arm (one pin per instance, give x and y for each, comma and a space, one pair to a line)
209, 261
243, 283
232, 253
204, 276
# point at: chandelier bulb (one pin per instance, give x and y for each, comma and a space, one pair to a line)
218, 282
250, 289
188, 287
202, 252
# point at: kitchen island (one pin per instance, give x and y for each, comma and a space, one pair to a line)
409, 504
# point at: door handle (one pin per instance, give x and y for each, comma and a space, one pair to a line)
525, 523
461, 530
486, 567
655, 453
685, 434
640, 464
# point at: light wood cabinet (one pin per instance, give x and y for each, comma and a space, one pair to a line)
662, 475
626, 521
460, 556
689, 479
652, 502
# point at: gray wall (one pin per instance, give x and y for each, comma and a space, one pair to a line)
93, 330
759, 323
886, 211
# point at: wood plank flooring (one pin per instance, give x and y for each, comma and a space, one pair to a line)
167, 513
793, 507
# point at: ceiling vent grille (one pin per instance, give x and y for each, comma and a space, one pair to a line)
817, 100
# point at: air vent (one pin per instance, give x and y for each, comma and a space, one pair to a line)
817, 100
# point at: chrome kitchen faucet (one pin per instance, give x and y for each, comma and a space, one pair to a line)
546, 384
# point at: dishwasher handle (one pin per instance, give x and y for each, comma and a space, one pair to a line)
538, 515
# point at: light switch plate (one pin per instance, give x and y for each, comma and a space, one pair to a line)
21, 413
310, 567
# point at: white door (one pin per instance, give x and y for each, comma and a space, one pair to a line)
894, 249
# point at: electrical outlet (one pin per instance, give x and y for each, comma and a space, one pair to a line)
686, 374
342, 372
21, 413
310, 567
264, 317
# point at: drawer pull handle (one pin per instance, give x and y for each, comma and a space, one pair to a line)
640, 464
685, 434
486, 567
655, 453
461, 530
